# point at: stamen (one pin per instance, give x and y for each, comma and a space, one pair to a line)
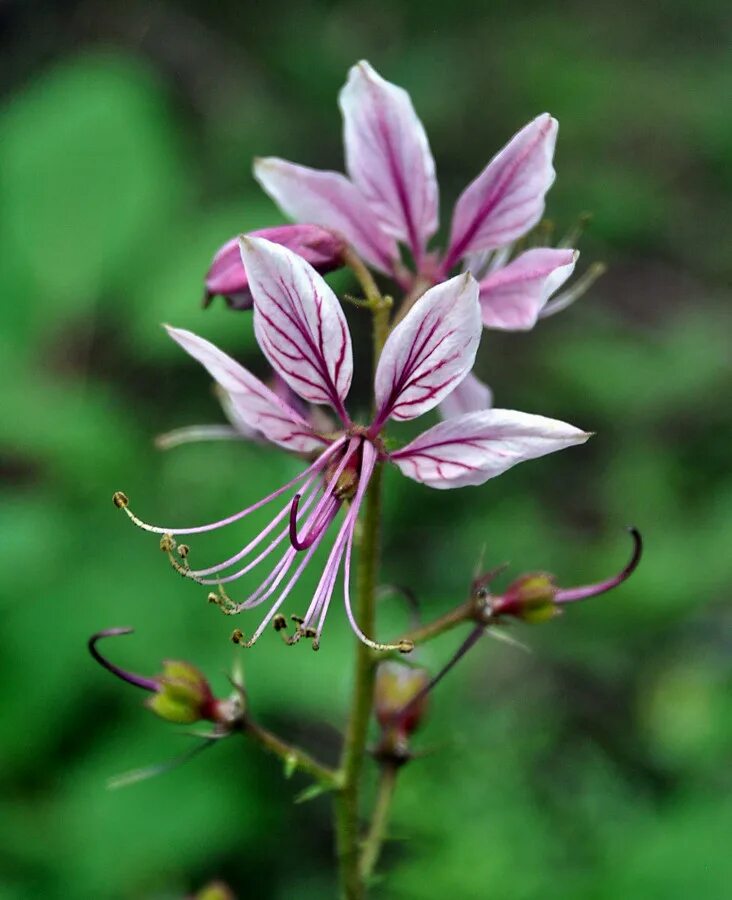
121, 501
580, 287
571, 238
568, 595
326, 503
195, 433
286, 591
195, 575
367, 468
319, 527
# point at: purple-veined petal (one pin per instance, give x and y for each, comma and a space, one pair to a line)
471, 395
226, 276
430, 351
507, 198
331, 200
472, 448
299, 323
388, 156
248, 400
511, 298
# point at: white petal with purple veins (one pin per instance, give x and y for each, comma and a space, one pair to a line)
471, 395
299, 323
328, 199
388, 156
512, 297
251, 403
430, 351
472, 448
507, 198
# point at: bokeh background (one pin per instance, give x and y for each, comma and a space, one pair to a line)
596, 766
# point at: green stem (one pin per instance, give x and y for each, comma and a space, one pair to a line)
466, 612
363, 276
379, 819
292, 756
354, 748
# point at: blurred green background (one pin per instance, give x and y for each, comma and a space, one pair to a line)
595, 767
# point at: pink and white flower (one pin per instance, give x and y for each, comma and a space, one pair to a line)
302, 331
390, 197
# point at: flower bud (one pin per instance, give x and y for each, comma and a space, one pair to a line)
400, 702
531, 598
183, 695
216, 890
537, 597
227, 277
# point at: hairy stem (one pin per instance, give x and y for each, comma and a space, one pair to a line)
354, 748
292, 756
379, 818
466, 612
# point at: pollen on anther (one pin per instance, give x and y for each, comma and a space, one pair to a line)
279, 622
120, 500
406, 646
213, 597
237, 636
167, 543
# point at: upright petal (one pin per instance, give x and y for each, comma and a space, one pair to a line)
226, 276
388, 156
507, 198
511, 298
299, 323
430, 351
248, 401
475, 447
471, 395
328, 199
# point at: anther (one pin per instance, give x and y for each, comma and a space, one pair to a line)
279, 622
237, 636
310, 633
405, 646
298, 620
167, 543
183, 551
213, 597
120, 500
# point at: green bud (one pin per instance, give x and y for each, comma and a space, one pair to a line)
183, 695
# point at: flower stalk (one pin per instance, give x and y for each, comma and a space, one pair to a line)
379, 818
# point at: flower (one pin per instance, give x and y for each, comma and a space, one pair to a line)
302, 331
391, 197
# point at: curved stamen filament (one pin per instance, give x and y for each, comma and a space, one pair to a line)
320, 526
286, 591
197, 575
367, 468
121, 502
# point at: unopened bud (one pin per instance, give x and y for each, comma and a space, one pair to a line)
531, 598
400, 702
227, 277
183, 694
217, 890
